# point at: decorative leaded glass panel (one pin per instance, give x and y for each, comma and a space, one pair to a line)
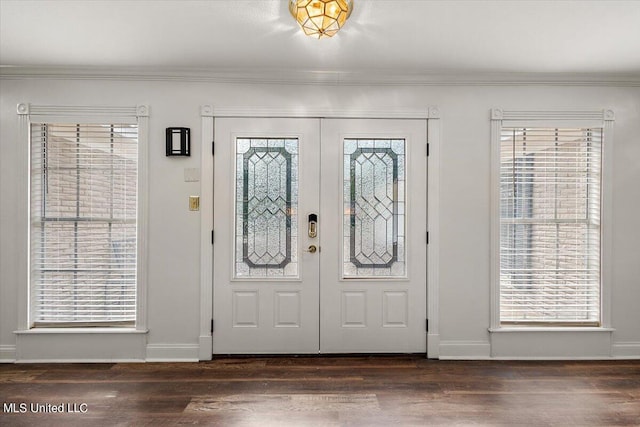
266, 207
374, 207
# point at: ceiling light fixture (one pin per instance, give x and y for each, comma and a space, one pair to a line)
321, 18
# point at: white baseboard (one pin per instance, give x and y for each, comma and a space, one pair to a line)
172, 352
79, 361
626, 350
465, 350
446, 350
7, 353
481, 350
551, 358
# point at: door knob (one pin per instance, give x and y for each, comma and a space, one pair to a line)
312, 249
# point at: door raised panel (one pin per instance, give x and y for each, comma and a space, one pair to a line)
395, 308
245, 309
287, 309
354, 309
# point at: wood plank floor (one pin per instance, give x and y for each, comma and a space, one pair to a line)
326, 391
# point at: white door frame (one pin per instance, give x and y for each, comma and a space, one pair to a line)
208, 113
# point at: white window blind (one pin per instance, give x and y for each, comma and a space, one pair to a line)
83, 224
550, 181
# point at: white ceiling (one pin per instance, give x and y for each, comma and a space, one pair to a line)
392, 36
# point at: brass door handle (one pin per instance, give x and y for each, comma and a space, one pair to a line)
312, 248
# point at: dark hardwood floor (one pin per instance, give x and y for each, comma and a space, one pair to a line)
324, 391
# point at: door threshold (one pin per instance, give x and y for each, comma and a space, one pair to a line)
313, 355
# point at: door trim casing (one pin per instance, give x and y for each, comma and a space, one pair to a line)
208, 114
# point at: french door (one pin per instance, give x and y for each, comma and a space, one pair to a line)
320, 235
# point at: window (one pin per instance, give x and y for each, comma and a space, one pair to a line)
266, 206
548, 229
83, 224
550, 225
374, 214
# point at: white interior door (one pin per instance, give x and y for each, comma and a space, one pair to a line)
374, 251
266, 183
364, 287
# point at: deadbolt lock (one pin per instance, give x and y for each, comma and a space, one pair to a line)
312, 248
313, 225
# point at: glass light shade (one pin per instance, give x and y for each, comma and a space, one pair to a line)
321, 18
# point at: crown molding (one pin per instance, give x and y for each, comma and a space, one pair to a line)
336, 78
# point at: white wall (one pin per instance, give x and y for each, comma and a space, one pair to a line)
174, 231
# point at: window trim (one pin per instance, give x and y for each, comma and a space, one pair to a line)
139, 115
553, 119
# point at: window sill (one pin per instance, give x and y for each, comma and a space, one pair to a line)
508, 329
45, 331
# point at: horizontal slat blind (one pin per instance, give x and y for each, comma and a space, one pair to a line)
83, 224
550, 182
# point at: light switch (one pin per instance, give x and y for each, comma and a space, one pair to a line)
194, 203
